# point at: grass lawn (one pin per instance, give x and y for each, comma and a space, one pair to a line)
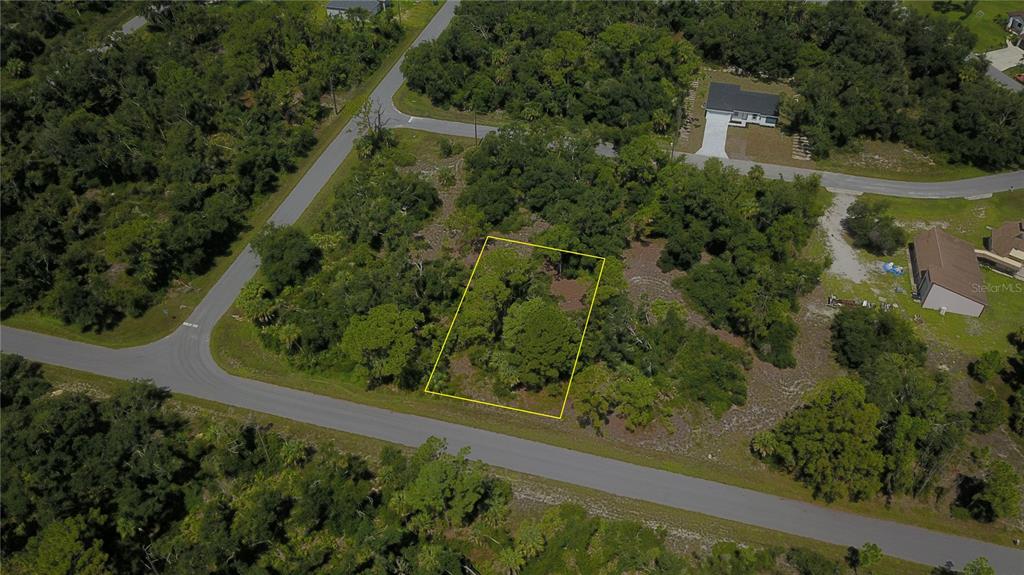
967, 219
416, 104
987, 20
895, 161
686, 531
166, 315
236, 347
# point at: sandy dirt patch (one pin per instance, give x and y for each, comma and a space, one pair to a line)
845, 262
643, 275
570, 293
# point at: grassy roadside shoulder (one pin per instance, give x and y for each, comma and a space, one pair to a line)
687, 532
165, 316
416, 104
236, 347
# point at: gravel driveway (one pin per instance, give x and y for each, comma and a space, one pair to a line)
844, 258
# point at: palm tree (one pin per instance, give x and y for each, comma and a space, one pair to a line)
530, 540
509, 561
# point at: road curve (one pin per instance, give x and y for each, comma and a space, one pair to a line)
183, 362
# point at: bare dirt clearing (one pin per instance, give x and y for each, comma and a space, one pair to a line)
570, 293
645, 278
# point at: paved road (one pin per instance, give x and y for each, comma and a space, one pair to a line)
182, 362
1003, 80
835, 182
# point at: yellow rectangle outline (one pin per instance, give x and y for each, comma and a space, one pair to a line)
568, 387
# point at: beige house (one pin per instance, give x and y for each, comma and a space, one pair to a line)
1008, 240
1004, 249
946, 273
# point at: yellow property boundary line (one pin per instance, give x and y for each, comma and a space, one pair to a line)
579, 349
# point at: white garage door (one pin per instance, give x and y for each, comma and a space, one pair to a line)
716, 128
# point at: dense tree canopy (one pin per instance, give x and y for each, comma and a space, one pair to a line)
916, 428
382, 342
756, 228
866, 69
130, 164
541, 342
829, 443
127, 485
860, 334
753, 228
607, 63
287, 256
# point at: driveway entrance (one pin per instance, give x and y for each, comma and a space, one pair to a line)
716, 128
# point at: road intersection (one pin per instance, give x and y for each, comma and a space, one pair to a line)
183, 362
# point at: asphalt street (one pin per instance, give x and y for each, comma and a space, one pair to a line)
183, 362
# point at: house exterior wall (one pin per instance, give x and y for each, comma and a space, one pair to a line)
743, 119
934, 296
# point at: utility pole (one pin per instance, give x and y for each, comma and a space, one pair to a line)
476, 138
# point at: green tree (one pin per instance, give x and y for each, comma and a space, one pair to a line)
979, 566
866, 557
287, 256
382, 342
987, 367
990, 412
829, 443
1017, 411
808, 562
1000, 493
873, 228
541, 341
69, 547
860, 334
256, 303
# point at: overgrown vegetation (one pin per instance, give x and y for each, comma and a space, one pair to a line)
755, 228
992, 367
891, 428
130, 164
126, 485
374, 278
876, 69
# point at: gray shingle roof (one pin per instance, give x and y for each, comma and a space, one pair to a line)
732, 98
371, 6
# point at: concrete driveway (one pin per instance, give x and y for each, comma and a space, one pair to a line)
1005, 58
716, 128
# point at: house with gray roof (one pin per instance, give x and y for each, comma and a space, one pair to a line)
742, 106
346, 8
